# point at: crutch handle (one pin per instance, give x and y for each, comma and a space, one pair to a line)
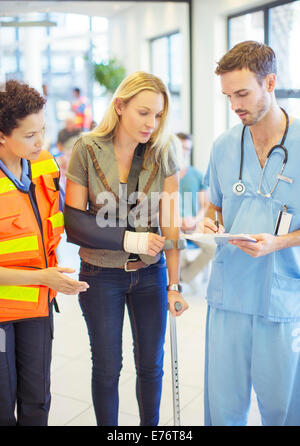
178, 306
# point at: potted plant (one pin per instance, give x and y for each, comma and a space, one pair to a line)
109, 74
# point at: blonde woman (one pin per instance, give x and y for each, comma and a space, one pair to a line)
124, 172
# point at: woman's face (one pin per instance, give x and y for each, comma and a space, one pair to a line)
26, 141
140, 117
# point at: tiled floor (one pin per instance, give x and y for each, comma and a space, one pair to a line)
71, 365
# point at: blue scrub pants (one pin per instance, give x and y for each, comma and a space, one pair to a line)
25, 357
244, 350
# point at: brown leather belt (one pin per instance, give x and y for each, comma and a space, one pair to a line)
133, 265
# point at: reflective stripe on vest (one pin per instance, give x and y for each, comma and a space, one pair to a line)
6, 185
22, 244
44, 167
22, 293
57, 220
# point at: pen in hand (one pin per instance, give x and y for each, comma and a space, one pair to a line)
217, 220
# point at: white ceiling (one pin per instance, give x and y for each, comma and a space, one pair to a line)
99, 8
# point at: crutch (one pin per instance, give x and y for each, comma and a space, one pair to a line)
174, 365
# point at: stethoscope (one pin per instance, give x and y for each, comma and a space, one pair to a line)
239, 187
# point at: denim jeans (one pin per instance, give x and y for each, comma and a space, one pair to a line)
103, 304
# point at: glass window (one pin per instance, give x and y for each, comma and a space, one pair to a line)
246, 27
284, 39
7, 36
279, 25
175, 62
166, 63
160, 58
166, 60
65, 54
70, 43
78, 23
100, 47
9, 63
99, 24
60, 63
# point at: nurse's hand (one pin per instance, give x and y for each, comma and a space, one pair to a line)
266, 243
55, 278
207, 226
173, 297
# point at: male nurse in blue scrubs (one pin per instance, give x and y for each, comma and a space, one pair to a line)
253, 321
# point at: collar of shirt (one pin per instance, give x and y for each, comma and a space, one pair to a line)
25, 181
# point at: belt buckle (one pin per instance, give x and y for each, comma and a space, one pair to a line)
130, 270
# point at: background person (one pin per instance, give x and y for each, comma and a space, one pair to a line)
30, 230
254, 290
66, 135
131, 146
65, 141
82, 109
194, 203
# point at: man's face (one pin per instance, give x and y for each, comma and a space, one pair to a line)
248, 99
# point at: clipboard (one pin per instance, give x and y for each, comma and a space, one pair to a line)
217, 238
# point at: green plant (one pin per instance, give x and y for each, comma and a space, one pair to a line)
109, 74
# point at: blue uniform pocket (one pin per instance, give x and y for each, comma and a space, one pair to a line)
285, 297
216, 283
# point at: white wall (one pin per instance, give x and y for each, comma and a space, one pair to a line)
209, 44
130, 33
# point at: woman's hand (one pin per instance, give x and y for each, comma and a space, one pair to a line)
155, 244
173, 297
55, 279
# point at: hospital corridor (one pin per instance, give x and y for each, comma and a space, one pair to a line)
142, 127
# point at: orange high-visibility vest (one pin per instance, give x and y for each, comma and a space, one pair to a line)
28, 241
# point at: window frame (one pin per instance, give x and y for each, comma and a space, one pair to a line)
283, 93
168, 36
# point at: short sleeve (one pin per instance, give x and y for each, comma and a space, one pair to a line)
78, 168
172, 166
214, 185
202, 185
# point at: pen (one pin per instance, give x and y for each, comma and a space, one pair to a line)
217, 219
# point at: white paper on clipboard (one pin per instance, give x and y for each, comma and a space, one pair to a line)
217, 238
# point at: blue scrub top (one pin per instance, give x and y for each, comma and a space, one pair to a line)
189, 186
267, 286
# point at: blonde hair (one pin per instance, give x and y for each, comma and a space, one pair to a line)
157, 146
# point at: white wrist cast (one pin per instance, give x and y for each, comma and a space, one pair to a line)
136, 242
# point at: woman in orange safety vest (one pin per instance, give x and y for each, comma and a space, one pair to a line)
30, 229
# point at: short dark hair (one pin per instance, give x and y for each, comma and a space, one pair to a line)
17, 100
77, 90
256, 57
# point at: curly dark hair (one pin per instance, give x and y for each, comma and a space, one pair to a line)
17, 100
